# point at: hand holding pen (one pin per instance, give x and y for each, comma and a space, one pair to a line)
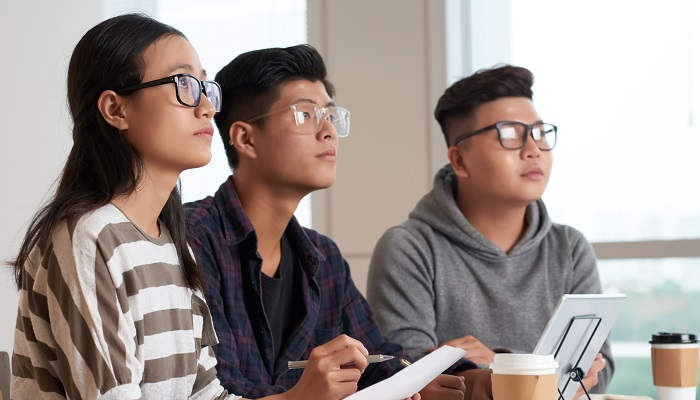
332, 371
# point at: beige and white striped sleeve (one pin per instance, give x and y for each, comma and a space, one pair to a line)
206, 386
74, 333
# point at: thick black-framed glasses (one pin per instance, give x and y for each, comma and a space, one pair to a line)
188, 89
512, 135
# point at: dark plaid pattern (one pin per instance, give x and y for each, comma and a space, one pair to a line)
225, 245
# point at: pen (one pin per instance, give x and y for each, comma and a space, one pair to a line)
374, 358
404, 362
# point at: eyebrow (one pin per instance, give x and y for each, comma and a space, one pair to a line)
329, 104
189, 68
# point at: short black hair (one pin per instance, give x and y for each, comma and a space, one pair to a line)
250, 84
465, 95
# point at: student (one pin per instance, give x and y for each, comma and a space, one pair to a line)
110, 302
479, 264
277, 290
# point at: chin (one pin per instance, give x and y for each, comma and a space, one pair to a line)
324, 178
321, 184
202, 160
189, 164
523, 197
533, 192
529, 198
312, 179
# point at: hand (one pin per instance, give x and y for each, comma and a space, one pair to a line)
478, 383
332, 371
414, 397
591, 378
444, 387
476, 351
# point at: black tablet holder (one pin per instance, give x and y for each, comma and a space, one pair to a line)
576, 374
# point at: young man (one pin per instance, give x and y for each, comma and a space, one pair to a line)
276, 290
479, 264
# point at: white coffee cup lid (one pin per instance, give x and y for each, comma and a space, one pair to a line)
524, 363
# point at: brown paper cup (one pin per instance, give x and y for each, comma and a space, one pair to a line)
675, 367
524, 387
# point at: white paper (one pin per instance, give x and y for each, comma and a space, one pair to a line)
413, 378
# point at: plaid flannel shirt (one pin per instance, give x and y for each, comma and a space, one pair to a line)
225, 244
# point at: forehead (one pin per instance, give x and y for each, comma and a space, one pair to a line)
303, 90
170, 55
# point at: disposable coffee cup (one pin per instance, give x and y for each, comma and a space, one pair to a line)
524, 377
674, 362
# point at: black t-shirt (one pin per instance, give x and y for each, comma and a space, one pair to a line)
278, 296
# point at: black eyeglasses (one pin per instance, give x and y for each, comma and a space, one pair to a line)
512, 135
188, 89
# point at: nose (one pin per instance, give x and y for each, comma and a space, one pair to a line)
327, 130
530, 150
205, 109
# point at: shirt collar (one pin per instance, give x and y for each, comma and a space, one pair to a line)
237, 227
236, 224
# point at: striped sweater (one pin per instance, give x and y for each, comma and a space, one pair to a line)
105, 311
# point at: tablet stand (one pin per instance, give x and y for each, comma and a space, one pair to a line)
576, 374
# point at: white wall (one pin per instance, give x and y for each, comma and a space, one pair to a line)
37, 40
387, 61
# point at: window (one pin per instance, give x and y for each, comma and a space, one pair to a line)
220, 30
624, 97
662, 296
622, 81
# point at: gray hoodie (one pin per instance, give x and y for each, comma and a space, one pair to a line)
435, 278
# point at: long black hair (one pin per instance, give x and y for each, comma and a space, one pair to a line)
102, 164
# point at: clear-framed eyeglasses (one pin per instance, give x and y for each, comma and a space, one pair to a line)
512, 135
309, 117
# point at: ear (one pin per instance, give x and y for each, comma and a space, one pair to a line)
242, 138
458, 161
113, 109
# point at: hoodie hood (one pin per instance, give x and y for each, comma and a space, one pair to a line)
439, 210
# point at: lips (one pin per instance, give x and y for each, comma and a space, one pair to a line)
534, 173
326, 155
206, 132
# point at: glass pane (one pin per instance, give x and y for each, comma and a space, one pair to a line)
663, 295
626, 98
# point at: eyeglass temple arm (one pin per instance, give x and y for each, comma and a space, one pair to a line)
470, 134
147, 84
267, 114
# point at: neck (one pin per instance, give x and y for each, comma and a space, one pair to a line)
269, 209
500, 222
144, 205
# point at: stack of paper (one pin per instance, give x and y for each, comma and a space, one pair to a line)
411, 379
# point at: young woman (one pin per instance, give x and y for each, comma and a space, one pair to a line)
110, 300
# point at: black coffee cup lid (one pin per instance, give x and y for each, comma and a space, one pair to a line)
673, 338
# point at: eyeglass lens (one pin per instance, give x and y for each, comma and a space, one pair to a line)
189, 91
511, 135
309, 118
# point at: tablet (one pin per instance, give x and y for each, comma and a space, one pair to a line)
584, 321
